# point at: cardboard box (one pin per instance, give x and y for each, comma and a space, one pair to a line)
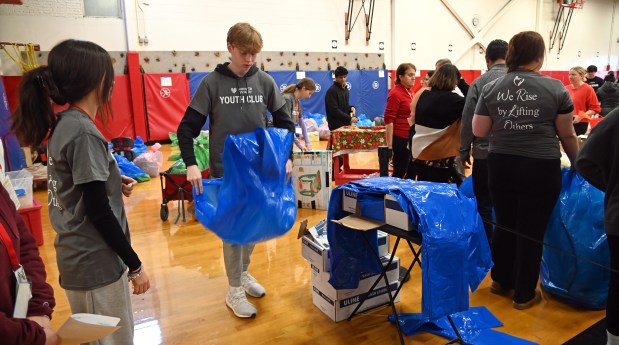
311, 175
317, 252
321, 279
395, 215
314, 137
349, 201
319, 255
339, 310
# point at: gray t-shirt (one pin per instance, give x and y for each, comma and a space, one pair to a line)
77, 154
235, 105
523, 106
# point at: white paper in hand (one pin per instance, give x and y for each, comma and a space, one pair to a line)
84, 328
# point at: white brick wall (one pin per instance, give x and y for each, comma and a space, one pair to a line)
49, 8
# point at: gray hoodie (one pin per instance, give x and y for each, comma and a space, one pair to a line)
235, 105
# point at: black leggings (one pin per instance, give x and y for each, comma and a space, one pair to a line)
482, 194
612, 307
524, 191
401, 156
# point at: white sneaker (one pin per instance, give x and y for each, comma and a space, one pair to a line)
237, 302
251, 285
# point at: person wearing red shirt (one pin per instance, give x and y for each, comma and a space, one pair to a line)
17, 247
585, 101
397, 115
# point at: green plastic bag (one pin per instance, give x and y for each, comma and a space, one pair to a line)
200, 150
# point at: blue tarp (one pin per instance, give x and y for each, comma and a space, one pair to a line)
253, 202
474, 326
455, 252
576, 226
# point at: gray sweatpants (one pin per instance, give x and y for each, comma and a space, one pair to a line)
236, 259
111, 300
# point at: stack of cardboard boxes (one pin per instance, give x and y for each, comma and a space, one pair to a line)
338, 304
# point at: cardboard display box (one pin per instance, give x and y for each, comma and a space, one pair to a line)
317, 252
339, 304
394, 214
311, 175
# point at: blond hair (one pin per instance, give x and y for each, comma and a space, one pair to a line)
245, 37
580, 70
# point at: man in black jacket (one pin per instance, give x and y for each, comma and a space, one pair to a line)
339, 111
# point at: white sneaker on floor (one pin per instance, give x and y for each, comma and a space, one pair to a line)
238, 303
251, 285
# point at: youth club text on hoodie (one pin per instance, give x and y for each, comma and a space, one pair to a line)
235, 105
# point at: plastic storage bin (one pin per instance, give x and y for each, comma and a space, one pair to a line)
32, 218
22, 184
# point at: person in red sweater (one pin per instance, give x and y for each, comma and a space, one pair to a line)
585, 101
397, 115
35, 328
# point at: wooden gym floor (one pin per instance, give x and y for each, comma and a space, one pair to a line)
185, 304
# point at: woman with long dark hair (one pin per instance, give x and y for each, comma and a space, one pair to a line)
522, 113
85, 188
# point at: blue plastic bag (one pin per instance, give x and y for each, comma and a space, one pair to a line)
467, 187
577, 226
129, 169
319, 118
362, 120
138, 146
455, 252
252, 202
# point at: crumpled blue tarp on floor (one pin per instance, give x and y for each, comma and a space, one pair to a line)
454, 256
474, 326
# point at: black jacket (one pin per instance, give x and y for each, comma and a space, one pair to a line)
338, 107
598, 163
608, 95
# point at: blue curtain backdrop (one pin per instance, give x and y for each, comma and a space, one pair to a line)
13, 154
373, 89
194, 81
368, 89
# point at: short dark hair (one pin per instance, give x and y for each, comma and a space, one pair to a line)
497, 49
592, 68
402, 69
525, 47
340, 70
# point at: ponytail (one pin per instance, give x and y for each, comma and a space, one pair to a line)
289, 89
34, 116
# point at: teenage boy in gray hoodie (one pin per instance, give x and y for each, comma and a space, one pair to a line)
235, 97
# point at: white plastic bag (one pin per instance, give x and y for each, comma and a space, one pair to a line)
150, 161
